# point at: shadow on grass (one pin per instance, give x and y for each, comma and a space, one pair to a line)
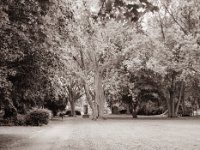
7, 140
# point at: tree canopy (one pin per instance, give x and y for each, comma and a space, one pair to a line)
139, 53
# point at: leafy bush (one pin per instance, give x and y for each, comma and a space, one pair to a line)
38, 117
6, 122
21, 120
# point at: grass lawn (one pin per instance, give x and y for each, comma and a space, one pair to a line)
110, 134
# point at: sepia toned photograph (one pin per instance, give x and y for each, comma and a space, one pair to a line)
99, 74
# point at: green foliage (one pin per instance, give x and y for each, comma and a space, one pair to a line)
38, 117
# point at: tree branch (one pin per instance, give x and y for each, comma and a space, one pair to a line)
176, 21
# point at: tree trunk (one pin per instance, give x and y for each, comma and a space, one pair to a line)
166, 92
9, 110
128, 109
179, 98
71, 101
169, 107
92, 104
95, 113
134, 113
172, 104
183, 104
172, 95
99, 94
135, 108
73, 114
96, 104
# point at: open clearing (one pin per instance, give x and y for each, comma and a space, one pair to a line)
111, 134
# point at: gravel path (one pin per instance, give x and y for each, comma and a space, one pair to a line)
84, 134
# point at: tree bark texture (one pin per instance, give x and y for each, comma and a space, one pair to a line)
73, 114
99, 94
91, 102
180, 97
171, 103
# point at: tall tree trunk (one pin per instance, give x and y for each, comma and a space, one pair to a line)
99, 94
134, 113
95, 113
128, 109
171, 101
10, 110
183, 104
172, 95
169, 107
90, 101
166, 92
179, 98
135, 108
71, 101
72, 104
172, 104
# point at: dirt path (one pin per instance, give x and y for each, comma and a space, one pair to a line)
80, 134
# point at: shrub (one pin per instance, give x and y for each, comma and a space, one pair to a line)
6, 122
38, 117
21, 120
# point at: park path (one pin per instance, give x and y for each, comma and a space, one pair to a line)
84, 134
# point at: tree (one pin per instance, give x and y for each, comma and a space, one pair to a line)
74, 90
31, 32
176, 46
134, 78
93, 50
